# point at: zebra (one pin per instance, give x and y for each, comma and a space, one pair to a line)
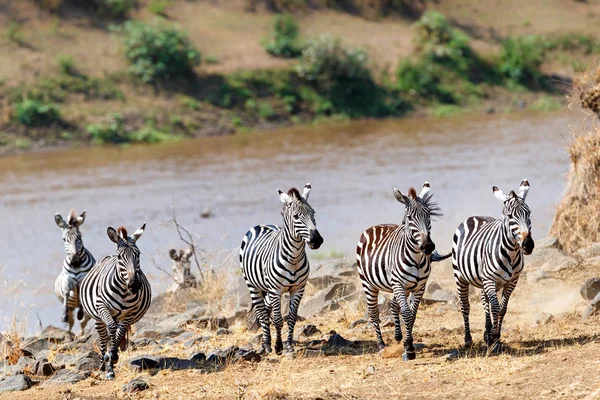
397, 258
116, 294
273, 260
488, 254
77, 263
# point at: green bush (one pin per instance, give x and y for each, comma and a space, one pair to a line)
149, 134
423, 79
285, 42
521, 58
116, 8
35, 113
113, 132
157, 52
66, 64
159, 7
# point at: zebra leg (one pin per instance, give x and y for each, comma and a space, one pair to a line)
506, 292
70, 319
258, 302
395, 308
490, 290
275, 303
465, 308
104, 339
408, 315
295, 299
83, 322
372, 294
488, 320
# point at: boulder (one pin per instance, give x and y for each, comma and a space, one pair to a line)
543, 318
176, 364
535, 276
306, 331
165, 301
43, 368
198, 357
195, 340
591, 251
185, 318
220, 357
356, 323
431, 287
238, 290
87, 364
57, 335
15, 383
223, 331
590, 288
548, 257
135, 385
441, 296
65, 376
327, 299
158, 333
246, 354
143, 363
336, 341
336, 269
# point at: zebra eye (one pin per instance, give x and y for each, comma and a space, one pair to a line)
296, 216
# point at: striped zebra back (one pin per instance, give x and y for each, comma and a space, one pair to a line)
117, 283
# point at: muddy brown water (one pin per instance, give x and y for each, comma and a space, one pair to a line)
351, 166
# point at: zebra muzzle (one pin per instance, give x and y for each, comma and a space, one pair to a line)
316, 240
528, 245
427, 247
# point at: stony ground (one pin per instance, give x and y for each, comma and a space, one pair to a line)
550, 350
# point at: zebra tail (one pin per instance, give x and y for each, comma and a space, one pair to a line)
435, 256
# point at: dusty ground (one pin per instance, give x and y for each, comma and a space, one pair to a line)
557, 359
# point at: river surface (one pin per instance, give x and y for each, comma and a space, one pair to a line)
352, 168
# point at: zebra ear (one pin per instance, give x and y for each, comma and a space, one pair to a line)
306, 192
188, 253
425, 190
285, 198
136, 235
400, 197
499, 194
79, 220
173, 254
524, 189
60, 221
113, 235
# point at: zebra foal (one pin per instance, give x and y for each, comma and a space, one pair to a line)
397, 259
116, 294
488, 254
273, 261
77, 263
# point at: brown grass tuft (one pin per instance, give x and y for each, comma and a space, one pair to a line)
11, 345
576, 223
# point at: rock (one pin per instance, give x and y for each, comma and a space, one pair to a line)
246, 354
223, 331
337, 341
548, 257
393, 351
328, 299
135, 385
370, 370
185, 318
591, 251
176, 364
520, 104
43, 368
238, 290
387, 322
356, 323
198, 357
25, 362
452, 356
311, 353
323, 281
306, 331
446, 296
220, 357
14, 383
143, 363
185, 336
168, 341
158, 333
256, 339
87, 364
34, 345
340, 268
536, 275
205, 213
490, 110
65, 376
194, 341
57, 335
431, 287
144, 342
590, 288
588, 311
543, 318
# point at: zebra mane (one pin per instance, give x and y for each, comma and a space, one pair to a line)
412, 193
72, 217
434, 209
294, 193
122, 232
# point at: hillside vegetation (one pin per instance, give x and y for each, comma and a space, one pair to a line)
119, 71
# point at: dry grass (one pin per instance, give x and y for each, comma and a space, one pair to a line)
11, 343
576, 223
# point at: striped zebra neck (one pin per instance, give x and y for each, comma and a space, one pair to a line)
409, 252
81, 259
291, 249
507, 240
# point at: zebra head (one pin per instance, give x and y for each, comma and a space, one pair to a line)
299, 216
128, 256
417, 216
518, 215
70, 233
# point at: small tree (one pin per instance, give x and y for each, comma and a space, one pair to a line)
285, 42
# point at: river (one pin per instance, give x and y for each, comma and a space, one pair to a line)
352, 167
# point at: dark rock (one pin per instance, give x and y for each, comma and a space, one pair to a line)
144, 342
135, 385
198, 357
14, 383
193, 341
337, 341
431, 287
256, 339
246, 354
223, 331
57, 335
87, 364
490, 110
143, 363
64, 376
356, 323
306, 331
176, 364
158, 333
168, 341
311, 353
221, 357
452, 356
34, 345
43, 368
590, 288
185, 336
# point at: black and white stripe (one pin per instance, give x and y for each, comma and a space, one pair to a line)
488, 254
273, 261
116, 294
397, 259
77, 263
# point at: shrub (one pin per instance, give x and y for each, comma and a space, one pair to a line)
423, 79
14, 33
521, 58
149, 134
158, 52
66, 64
159, 7
285, 41
116, 8
35, 113
113, 132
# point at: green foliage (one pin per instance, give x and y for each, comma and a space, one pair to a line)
58, 88
116, 8
14, 33
159, 7
423, 79
521, 58
66, 64
546, 103
22, 143
447, 110
115, 132
573, 42
158, 52
211, 60
35, 113
149, 134
285, 42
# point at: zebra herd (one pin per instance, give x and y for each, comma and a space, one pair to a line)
486, 253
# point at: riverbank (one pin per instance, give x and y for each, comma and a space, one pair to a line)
197, 344
56, 93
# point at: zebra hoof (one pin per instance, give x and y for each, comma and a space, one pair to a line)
79, 314
278, 348
380, 346
409, 356
64, 318
496, 348
110, 376
264, 350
